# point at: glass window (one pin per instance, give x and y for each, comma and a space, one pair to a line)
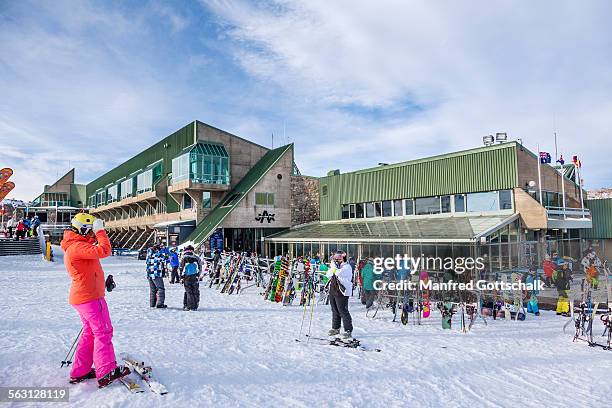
459, 203
370, 210
186, 201
113, 193
397, 208
352, 211
378, 209
387, 208
359, 210
145, 181
180, 167
126, 188
206, 199
264, 199
445, 202
505, 200
409, 206
480, 202
324, 190
427, 205
345, 211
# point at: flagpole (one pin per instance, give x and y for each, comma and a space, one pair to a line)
539, 174
562, 170
580, 186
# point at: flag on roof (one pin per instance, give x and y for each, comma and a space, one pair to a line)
545, 157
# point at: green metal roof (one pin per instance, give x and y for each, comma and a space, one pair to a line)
417, 229
212, 221
166, 149
482, 169
601, 214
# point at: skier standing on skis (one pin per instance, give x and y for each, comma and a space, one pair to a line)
84, 244
340, 289
154, 262
191, 267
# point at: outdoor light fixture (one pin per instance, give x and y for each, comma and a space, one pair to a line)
488, 140
501, 137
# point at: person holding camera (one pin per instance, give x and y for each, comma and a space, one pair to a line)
85, 243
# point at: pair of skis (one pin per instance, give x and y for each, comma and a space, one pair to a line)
339, 342
144, 372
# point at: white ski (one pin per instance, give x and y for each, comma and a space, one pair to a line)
145, 372
131, 385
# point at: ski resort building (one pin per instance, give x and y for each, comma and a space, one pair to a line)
496, 201
204, 186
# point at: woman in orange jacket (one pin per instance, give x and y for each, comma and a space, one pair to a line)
84, 244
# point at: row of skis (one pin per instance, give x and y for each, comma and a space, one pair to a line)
584, 313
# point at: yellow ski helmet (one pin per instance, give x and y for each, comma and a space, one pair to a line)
82, 223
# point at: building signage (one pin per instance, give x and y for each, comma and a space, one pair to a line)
265, 215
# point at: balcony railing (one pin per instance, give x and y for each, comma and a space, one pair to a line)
567, 212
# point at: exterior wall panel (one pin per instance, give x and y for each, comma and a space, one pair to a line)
601, 212
483, 169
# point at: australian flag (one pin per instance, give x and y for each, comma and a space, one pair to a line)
545, 157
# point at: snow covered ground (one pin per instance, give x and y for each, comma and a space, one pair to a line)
241, 351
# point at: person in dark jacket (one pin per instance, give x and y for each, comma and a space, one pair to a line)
154, 262
191, 268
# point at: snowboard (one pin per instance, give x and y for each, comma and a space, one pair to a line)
282, 277
145, 372
424, 276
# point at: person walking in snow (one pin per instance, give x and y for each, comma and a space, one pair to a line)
367, 280
10, 226
340, 289
174, 264
157, 291
84, 244
191, 268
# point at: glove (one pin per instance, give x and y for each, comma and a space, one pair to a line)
110, 283
98, 225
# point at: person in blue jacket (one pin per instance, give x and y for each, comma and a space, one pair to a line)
154, 262
35, 225
174, 264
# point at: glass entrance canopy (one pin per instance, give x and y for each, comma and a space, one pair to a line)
205, 163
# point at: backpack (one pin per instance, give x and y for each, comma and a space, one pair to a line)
191, 269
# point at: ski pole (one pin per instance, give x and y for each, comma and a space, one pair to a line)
68, 359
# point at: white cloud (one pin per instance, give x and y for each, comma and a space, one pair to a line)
473, 67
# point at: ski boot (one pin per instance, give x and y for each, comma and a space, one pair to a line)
333, 332
118, 372
75, 380
162, 306
347, 335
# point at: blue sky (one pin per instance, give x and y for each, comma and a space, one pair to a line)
89, 84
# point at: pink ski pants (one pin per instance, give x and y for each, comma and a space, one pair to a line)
95, 345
